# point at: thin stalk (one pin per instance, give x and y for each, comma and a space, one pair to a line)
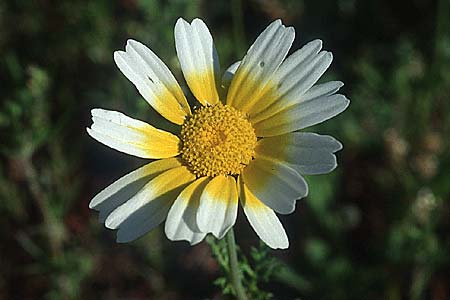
235, 273
41, 200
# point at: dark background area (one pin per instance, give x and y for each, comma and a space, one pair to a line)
378, 227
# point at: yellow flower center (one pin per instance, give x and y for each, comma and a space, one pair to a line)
217, 140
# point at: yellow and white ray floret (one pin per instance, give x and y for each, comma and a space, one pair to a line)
244, 147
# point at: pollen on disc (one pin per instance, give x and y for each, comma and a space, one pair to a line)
217, 140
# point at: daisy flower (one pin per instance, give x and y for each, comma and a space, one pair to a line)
240, 144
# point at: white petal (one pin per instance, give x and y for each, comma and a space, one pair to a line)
302, 115
229, 74
307, 153
132, 136
149, 207
275, 184
153, 80
181, 223
127, 186
145, 219
263, 220
258, 65
198, 59
218, 206
296, 75
323, 89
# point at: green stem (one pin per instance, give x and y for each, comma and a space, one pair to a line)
41, 200
235, 273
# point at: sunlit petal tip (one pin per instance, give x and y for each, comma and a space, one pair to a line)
277, 22
131, 43
308, 51
117, 55
329, 56
110, 224
91, 204
263, 220
96, 111
258, 65
325, 58
154, 81
132, 136
318, 41
180, 22
197, 21
198, 59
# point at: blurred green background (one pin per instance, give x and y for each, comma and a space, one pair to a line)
376, 228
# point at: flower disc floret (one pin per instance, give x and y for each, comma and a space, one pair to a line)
217, 140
